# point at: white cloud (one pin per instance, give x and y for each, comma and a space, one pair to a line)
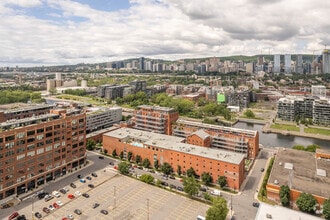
169, 29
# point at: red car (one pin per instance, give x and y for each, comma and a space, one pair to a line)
56, 205
70, 196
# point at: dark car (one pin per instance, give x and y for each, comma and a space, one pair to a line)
38, 215
179, 188
73, 185
171, 177
42, 195
95, 205
91, 185
88, 177
172, 186
63, 191
85, 195
256, 204
111, 163
101, 157
21, 217
94, 174
79, 176
77, 211
262, 169
203, 189
46, 210
48, 197
105, 212
164, 183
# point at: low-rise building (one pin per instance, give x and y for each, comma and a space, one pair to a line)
164, 148
303, 172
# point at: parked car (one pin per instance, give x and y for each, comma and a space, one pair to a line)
48, 197
56, 206
73, 185
51, 207
171, 177
88, 177
91, 185
111, 163
164, 183
56, 194
77, 211
94, 174
38, 215
71, 196
13, 215
179, 188
95, 205
79, 176
59, 203
41, 194
62, 191
77, 193
82, 180
262, 169
172, 186
203, 189
101, 157
85, 195
256, 204
46, 210
21, 217
70, 216
105, 212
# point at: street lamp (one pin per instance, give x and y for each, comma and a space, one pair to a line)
147, 209
114, 203
32, 211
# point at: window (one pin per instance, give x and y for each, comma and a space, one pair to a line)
40, 151
40, 130
20, 135
10, 138
32, 132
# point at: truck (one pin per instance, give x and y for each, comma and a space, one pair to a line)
216, 192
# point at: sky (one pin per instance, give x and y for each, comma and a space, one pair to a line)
56, 32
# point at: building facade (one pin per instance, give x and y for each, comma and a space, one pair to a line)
38, 149
326, 61
156, 119
225, 138
277, 63
99, 118
164, 148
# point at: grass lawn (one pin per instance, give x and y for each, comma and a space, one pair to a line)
285, 127
317, 131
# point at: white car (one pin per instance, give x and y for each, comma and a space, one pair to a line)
51, 207
56, 194
70, 216
66, 189
77, 193
59, 203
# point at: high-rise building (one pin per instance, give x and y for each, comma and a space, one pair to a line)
287, 63
277, 63
299, 64
141, 63
319, 91
326, 61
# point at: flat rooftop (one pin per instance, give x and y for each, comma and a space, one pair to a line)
140, 138
307, 172
280, 212
157, 108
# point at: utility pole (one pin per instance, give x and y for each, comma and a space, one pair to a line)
114, 203
231, 205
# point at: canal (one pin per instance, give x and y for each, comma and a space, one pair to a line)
279, 140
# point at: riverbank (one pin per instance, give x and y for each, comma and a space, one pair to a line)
295, 133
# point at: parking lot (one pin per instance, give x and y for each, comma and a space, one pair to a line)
122, 197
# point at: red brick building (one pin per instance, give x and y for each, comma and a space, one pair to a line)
303, 172
171, 149
156, 119
38, 149
226, 138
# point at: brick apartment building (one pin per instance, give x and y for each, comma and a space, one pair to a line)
38, 149
303, 172
156, 119
171, 149
226, 138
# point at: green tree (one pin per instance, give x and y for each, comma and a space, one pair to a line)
179, 171
306, 202
207, 178
299, 147
52, 91
147, 178
285, 195
123, 168
121, 155
138, 159
191, 172
218, 210
90, 144
249, 113
190, 186
167, 168
146, 163
222, 181
129, 156
326, 209
114, 153
156, 164
312, 147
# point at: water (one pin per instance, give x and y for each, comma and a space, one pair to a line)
279, 140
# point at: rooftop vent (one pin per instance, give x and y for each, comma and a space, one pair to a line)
276, 182
288, 166
269, 216
321, 172
280, 163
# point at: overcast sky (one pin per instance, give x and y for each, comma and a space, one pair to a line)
51, 32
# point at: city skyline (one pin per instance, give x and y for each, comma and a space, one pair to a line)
49, 32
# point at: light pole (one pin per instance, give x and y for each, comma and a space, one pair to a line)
114, 203
32, 211
147, 209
